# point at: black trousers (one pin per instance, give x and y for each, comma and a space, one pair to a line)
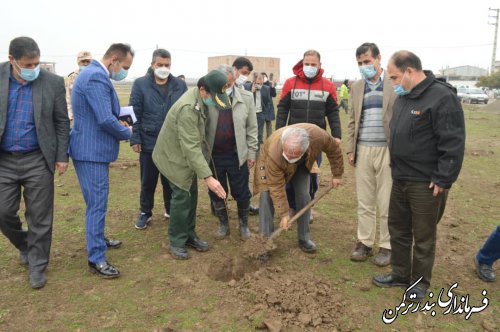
149, 179
227, 169
30, 172
413, 217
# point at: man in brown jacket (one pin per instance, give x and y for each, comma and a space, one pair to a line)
289, 156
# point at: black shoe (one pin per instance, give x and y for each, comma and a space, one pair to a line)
307, 246
112, 244
23, 258
390, 280
178, 252
198, 244
416, 294
484, 272
253, 210
37, 280
104, 270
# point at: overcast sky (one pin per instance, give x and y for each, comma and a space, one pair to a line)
441, 33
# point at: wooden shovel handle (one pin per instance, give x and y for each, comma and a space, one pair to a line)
301, 212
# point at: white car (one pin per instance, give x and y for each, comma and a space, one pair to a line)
461, 93
475, 95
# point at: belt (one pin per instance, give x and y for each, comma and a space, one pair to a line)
18, 153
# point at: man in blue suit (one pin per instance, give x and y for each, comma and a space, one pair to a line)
94, 143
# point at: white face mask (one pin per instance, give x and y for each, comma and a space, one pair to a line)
310, 71
162, 72
291, 161
241, 80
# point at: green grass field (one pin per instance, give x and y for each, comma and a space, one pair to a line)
157, 293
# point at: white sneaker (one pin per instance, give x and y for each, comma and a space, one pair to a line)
166, 215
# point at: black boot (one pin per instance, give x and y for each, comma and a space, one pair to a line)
243, 219
221, 212
212, 208
253, 210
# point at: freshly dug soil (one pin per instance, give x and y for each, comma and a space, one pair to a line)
299, 300
223, 267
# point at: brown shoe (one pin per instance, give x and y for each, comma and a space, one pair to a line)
361, 253
383, 258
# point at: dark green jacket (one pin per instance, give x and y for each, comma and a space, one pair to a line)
178, 150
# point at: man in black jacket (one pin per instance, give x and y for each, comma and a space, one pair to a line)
152, 96
427, 150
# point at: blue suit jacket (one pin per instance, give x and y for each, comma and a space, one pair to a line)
96, 130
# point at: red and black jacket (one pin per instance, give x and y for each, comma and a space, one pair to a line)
310, 101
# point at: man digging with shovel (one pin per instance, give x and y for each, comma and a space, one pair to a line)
289, 155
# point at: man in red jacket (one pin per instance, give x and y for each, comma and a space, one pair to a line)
308, 97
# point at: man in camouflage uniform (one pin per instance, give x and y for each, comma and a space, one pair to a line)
83, 60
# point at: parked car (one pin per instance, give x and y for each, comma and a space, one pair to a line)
475, 95
461, 93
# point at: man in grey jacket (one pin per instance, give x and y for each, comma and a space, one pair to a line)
34, 136
232, 145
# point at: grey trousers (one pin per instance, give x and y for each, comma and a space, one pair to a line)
31, 173
301, 182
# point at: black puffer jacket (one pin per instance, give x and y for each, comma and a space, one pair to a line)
428, 134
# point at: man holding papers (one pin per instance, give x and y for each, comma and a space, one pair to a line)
94, 143
151, 97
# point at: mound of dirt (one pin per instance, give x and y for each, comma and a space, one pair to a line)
257, 247
292, 301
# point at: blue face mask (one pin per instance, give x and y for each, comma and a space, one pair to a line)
28, 74
120, 75
399, 90
209, 102
310, 71
82, 68
368, 71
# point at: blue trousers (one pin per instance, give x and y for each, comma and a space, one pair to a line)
94, 183
490, 252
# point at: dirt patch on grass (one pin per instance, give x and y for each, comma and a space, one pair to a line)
290, 300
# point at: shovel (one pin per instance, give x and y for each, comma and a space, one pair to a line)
299, 214
259, 247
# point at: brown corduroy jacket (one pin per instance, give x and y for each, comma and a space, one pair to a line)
273, 171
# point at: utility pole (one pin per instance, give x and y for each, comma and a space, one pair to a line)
492, 68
